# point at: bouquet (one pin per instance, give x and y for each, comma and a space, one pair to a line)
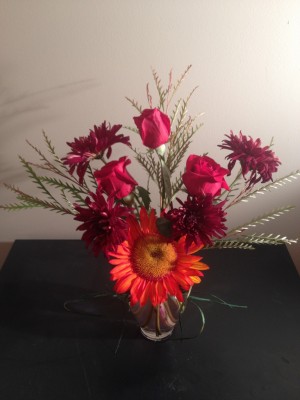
152, 247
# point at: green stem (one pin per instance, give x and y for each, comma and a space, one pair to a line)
218, 300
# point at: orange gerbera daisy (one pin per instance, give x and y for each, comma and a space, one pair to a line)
152, 266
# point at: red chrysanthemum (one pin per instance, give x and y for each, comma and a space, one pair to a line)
260, 161
199, 219
87, 148
103, 222
152, 267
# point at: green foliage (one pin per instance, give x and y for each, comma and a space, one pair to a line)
176, 186
247, 242
145, 196
28, 201
273, 185
65, 186
159, 168
261, 220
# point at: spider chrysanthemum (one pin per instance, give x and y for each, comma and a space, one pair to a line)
199, 219
261, 162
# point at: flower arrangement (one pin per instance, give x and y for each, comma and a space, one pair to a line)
152, 249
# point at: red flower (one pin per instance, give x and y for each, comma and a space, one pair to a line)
204, 176
114, 179
260, 161
87, 148
104, 224
199, 219
152, 267
154, 127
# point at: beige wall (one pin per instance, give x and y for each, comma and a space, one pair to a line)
66, 65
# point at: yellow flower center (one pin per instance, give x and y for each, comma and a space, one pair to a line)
153, 257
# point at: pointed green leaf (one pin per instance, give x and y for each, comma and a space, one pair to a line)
145, 196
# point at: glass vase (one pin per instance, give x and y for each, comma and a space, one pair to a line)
157, 323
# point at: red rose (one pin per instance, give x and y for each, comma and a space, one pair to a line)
154, 127
204, 176
114, 179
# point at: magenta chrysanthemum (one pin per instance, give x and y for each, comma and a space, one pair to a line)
86, 148
103, 222
199, 219
260, 161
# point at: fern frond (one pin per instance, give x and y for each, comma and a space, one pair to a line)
52, 151
149, 97
64, 196
176, 186
159, 88
36, 179
90, 174
230, 244
75, 192
135, 104
271, 239
179, 82
273, 185
16, 206
28, 201
135, 130
49, 144
234, 186
180, 146
261, 220
175, 111
182, 114
36, 202
247, 242
143, 160
39, 152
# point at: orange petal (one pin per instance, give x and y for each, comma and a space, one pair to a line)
144, 220
134, 228
189, 259
145, 294
200, 266
123, 284
183, 280
195, 279
152, 222
117, 261
119, 272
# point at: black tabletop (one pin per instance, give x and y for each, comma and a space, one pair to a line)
97, 351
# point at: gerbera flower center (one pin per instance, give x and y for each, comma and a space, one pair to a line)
153, 257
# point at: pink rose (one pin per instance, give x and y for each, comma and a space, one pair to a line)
114, 179
204, 176
154, 127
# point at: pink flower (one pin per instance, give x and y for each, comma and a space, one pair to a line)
204, 176
104, 224
87, 148
260, 161
154, 127
199, 219
114, 179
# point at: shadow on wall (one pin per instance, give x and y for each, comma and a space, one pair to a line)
21, 112
14, 106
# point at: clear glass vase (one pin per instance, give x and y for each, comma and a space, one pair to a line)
157, 323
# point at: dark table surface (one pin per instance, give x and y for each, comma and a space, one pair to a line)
49, 353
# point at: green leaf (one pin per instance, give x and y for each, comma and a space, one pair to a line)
164, 226
167, 180
145, 196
